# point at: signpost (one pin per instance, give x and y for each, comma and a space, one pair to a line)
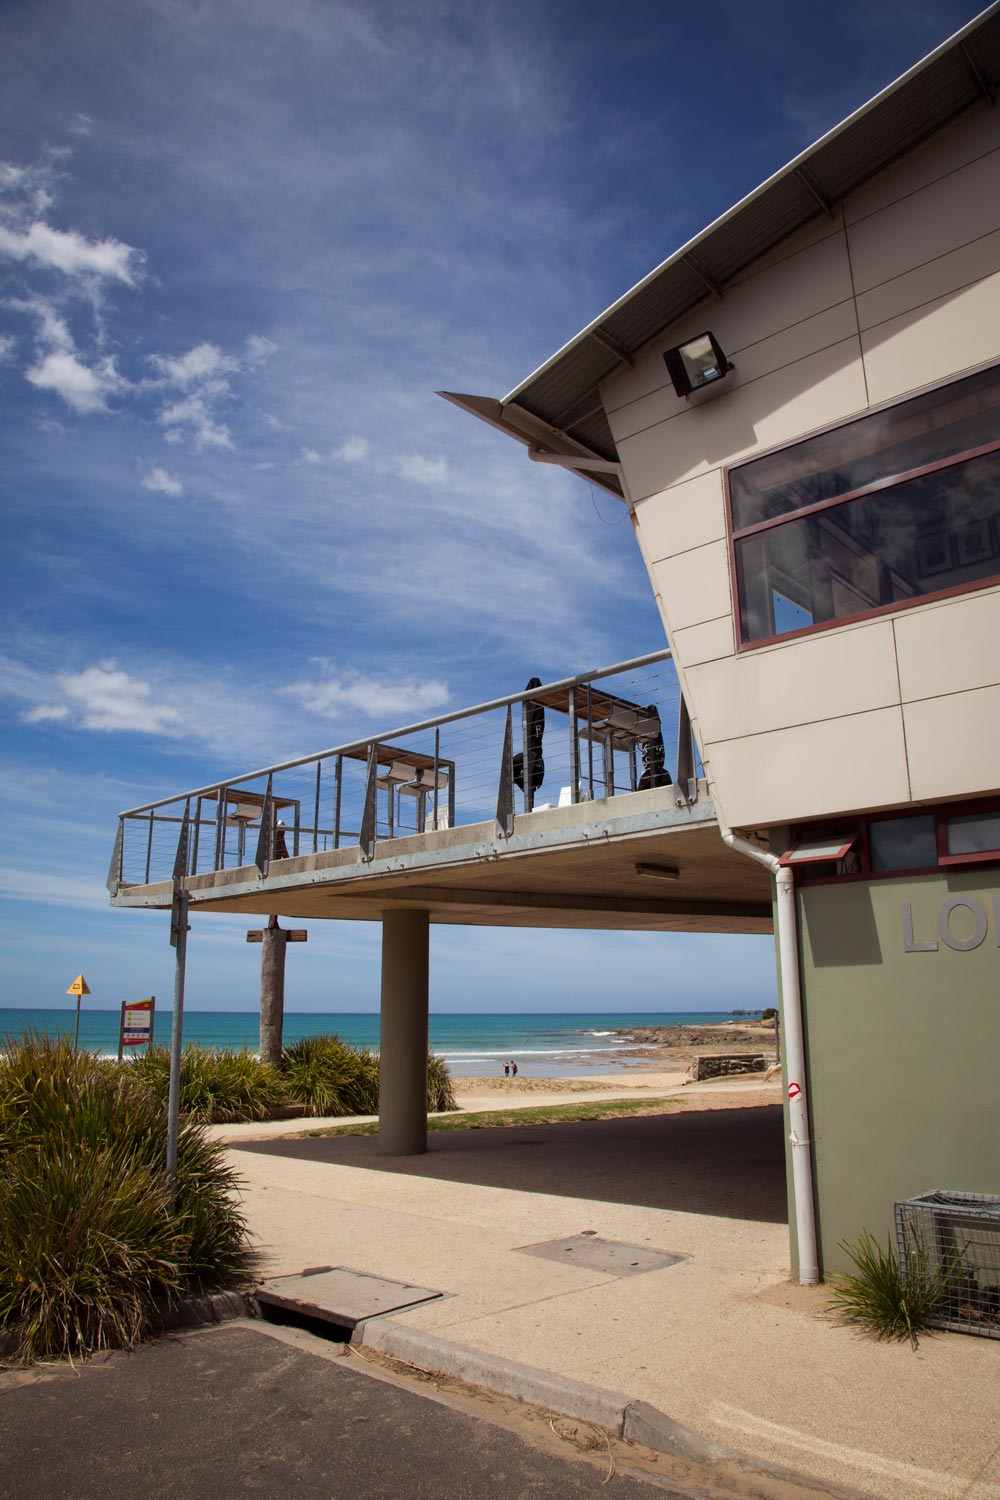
136, 1026
79, 988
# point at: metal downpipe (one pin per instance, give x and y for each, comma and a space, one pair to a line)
795, 1057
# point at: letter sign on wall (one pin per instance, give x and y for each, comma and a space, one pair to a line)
980, 925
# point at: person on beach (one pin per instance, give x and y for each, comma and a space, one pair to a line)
506, 1070
513, 1068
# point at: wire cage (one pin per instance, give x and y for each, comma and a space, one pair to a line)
959, 1234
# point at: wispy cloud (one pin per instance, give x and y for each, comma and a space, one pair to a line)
71, 253
335, 692
161, 481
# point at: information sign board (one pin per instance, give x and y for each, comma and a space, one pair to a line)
137, 1020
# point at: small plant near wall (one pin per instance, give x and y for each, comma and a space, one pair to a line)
884, 1298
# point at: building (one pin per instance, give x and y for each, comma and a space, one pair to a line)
801, 409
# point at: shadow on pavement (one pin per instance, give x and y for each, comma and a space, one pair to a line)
727, 1162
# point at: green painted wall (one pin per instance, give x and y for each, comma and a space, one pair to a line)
903, 1049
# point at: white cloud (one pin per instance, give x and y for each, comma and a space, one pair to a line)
45, 714
71, 253
106, 698
353, 450
52, 889
203, 362
421, 470
259, 350
83, 388
192, 414
81, 124
351, 691
162, 481
8, 344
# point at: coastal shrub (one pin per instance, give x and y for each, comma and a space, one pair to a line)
329, 1077
440, 1087
92, 1244
886, 1299
216, 1087
332, 1078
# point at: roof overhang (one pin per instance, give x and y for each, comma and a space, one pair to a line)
558, 411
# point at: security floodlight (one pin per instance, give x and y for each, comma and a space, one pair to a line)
697, 363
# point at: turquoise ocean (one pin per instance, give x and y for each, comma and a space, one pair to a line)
543, 1045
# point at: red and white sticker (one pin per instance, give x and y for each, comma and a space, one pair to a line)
793, 1091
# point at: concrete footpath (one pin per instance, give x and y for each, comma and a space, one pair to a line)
718, 1341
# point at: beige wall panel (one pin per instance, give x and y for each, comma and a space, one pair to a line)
794, 290
948, 273
812, 771
809, 394
819, 677
694, 586
943, 338
960, 207
949, 647
708, 642
831, 326
975, 134
689, 515
951, 744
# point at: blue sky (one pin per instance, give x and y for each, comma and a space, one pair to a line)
241, 245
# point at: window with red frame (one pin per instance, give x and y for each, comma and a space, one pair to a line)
894, 507
899, 843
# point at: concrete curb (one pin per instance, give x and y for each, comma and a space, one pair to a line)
215, 1307
571, 1398
617, 1414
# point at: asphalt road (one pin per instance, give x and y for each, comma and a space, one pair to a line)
233, 1412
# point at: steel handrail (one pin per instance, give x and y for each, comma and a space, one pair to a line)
393, 734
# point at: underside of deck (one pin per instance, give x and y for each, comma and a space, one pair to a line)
632, 863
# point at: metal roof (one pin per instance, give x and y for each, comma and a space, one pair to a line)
557, 410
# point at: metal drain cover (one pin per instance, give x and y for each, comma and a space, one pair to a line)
610, 1256
340, 1296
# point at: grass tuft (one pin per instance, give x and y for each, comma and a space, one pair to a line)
884, 1298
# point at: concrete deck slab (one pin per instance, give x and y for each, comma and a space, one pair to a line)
720, 1342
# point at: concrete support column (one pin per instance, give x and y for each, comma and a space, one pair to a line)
272, 991
402, 1126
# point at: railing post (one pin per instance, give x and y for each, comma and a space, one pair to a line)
684, 789
220, 829
574, 750
319, 773
197, 837
590, 740
437, 761
149, 845
116, 867
505, 791
529, 796
338, 790
369, 816
296, 828
265, 837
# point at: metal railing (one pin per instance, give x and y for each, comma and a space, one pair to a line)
601, 734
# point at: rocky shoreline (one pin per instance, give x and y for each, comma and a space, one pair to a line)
681, 1043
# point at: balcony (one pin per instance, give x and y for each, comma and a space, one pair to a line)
570, 804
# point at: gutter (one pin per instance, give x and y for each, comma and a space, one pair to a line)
795, 1057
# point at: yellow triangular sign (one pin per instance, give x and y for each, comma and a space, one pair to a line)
79, 986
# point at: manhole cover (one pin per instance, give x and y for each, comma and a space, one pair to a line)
340, 1296
610, 1256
